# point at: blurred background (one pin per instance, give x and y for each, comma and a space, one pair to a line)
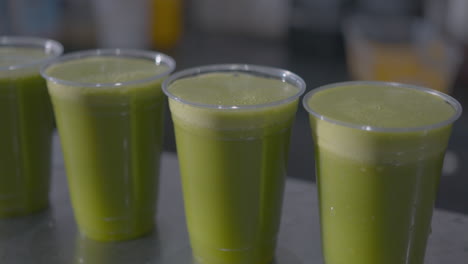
422, 42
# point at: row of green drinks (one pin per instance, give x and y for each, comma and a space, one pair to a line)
379, 149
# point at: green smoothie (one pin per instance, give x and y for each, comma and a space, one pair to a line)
233, 162
109, 112
379, 153
26, 130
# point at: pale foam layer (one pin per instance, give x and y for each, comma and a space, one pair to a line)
273, 119
381, 106
384, 107
105, 69
103, 95
231, 89
380, 147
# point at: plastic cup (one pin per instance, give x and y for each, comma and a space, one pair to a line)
402, 49
377, 184
109, 110
233, 159
26, 120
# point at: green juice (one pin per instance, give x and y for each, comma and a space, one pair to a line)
233, 163
111, 138
377, 187
26, 131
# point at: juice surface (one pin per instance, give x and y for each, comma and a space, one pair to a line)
381, 106
377, 189
106, 69
232, 163
230, 89
111, 139
25, 138
15, 56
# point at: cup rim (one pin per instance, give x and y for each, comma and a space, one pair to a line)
50, 47
264, 71
157, 57
447, 98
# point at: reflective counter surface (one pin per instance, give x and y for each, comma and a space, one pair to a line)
51, 236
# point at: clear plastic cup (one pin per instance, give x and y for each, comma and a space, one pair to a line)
402, 49
233, 156
109, 110
377, 177
27, 124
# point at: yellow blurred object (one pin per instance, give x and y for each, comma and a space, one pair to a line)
166, 23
